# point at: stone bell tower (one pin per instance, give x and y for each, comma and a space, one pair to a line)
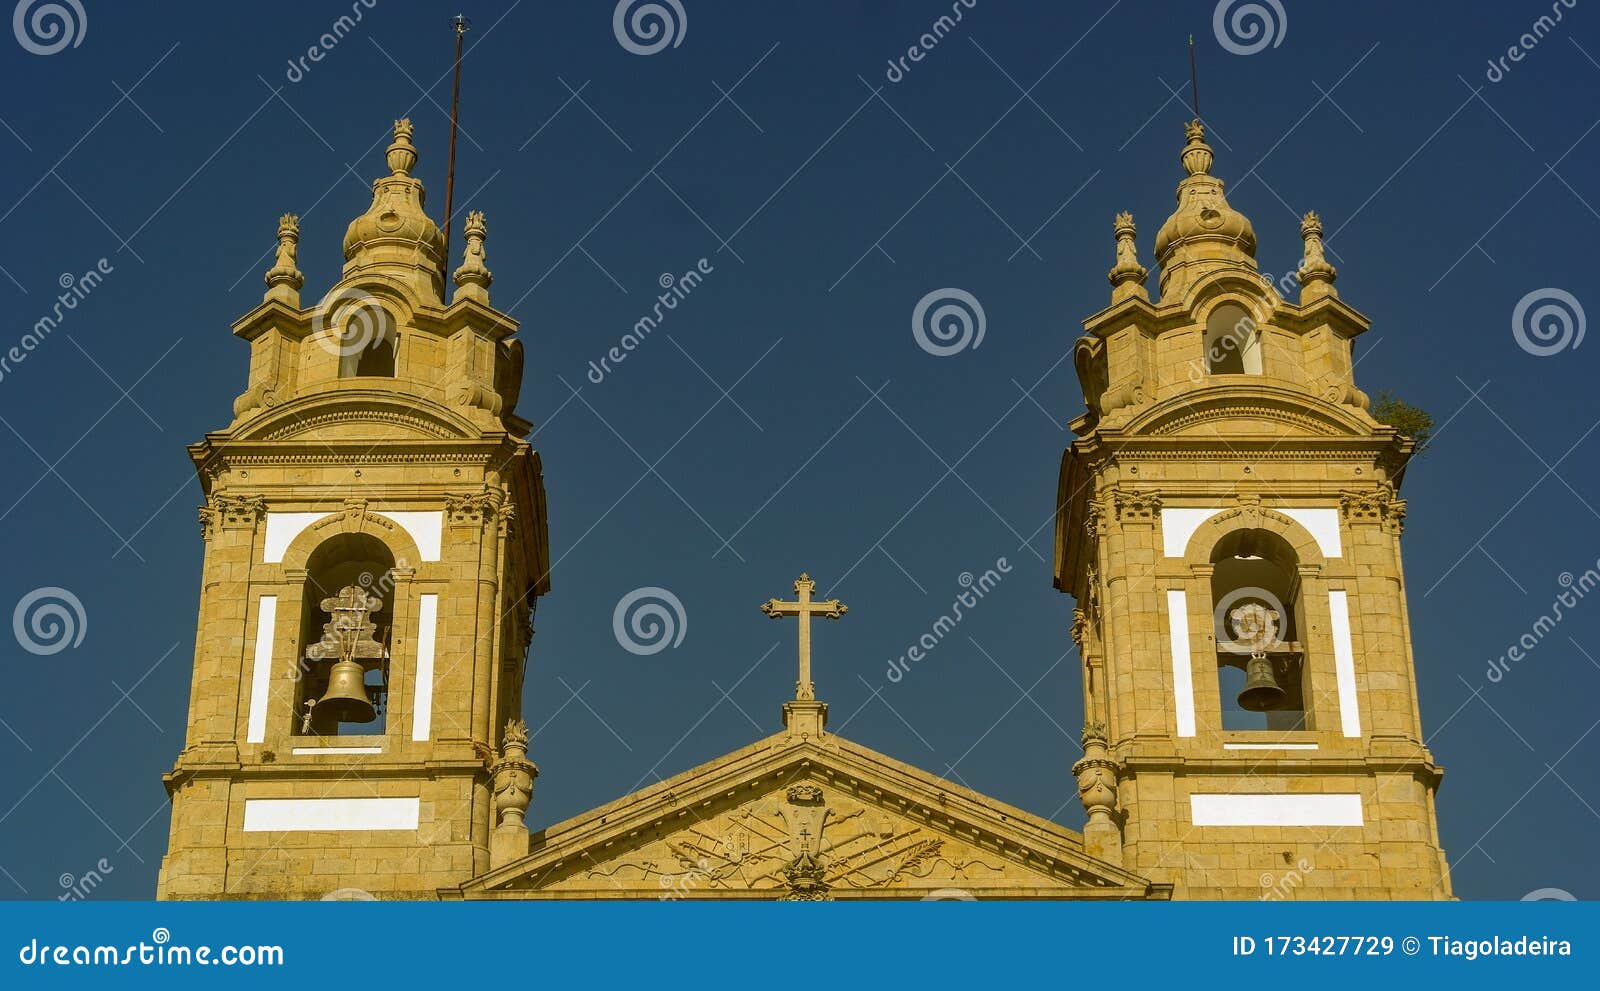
374, 527
1229, 524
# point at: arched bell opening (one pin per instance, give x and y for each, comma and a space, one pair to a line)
369, 342
1233, 342
1257, 616
347, 612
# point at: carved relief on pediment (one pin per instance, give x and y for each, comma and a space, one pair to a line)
807, 842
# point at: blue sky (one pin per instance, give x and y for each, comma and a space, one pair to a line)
790, 419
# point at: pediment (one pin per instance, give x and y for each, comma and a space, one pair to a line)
801, 819
358, 414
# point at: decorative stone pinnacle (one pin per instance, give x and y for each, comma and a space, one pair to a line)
284, 278
1197, 156
512, 778
473, 277
1316, 274
402, 155
1127, 275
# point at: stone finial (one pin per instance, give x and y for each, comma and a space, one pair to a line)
1127, 275
512, 778
402, 154
473, 277
284, 278
1316, 274
513, 775
1196, 156
1097, 775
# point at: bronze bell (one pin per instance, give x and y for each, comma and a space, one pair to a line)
1261, 689
346, 700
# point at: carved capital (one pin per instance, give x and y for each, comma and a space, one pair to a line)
473, 508
1135, 506
1373, 506
231, 512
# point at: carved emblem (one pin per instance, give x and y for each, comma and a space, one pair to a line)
800, 844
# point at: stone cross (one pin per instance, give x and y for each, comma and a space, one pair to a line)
804, 609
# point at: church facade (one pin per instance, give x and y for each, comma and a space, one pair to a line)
1228, 525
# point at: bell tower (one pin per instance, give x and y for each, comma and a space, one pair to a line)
1229, 523
374, 527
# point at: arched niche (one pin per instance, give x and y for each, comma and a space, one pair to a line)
1258, 614
344, 561
1256, 565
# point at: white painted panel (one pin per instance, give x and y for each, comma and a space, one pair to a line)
1323, 525
1179, 524
1275, 810
427, 529
294, 815
1182, 669
427, 631
261, 673
338, 750
1259, 746
1344, 663
282, 528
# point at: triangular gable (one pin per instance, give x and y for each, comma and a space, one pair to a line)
793, 817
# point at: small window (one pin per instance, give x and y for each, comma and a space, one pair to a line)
367, 342
1255, 589
1233, 342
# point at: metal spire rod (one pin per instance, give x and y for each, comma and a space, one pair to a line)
1194, 80
460, 24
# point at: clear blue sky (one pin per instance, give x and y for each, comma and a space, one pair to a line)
168, 141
